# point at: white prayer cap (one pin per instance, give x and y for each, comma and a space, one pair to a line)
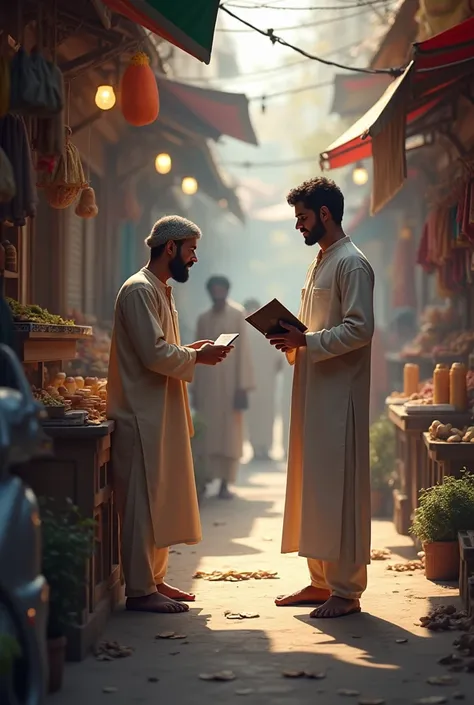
172, 227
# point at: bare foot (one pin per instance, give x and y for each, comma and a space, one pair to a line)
154, 603
307, 596
336, 607
174, 593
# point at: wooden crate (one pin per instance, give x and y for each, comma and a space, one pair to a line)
466, 570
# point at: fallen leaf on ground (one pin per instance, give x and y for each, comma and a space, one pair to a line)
244, 691
441, 680
109, 689
348, 693
219, 676
111, 650
432, 700
235, 576
380, 554
175, 653
449, 660
292, 674
165, 635
179, 636
406, 567
314, 675
401, 641
153, 679
458, 696
371, 701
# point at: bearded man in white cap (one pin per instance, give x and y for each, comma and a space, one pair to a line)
147, 398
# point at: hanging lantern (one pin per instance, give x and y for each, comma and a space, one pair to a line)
189, 185
360, 175
163, 163
105, 97
139, 97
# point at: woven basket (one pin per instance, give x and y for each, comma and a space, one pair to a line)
63, 186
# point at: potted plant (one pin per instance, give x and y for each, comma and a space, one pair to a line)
382, 461
68, 543
443, 511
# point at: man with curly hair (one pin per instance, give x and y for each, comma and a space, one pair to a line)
327, 512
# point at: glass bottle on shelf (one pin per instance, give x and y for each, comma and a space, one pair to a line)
458, 386
411, 379
441, 384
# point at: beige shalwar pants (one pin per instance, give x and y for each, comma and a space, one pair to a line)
144, 566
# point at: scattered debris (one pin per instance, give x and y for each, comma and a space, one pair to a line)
371, 701
219, 523
219, 676
458, 696
380, 554
234, 576
293, 674
244, 691
153, 679
441, 680
348, 693
241, 615
109, 689
401, 641
449, 660
170, 635
406, 567
432, 700
446, 618
311, 675
466, 643
175, 653
111, 650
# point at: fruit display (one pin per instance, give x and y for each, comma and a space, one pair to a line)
31, 313
455, 344
436, 332
76, 394
446, 432
423, 396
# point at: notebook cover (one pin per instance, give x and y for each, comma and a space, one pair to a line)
266, 319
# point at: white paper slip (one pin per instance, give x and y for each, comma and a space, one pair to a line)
226, 339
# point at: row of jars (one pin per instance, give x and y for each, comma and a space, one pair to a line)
449, 385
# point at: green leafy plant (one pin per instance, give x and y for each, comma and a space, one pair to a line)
68, 543
445, 510
10, 650
382, 453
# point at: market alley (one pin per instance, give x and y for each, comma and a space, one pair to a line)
380, 655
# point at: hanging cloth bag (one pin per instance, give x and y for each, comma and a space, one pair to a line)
7, 179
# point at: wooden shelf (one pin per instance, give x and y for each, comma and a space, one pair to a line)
6, 274
45, 343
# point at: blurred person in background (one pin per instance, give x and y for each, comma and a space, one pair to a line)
222, 398
149, 369
261, 414
327, 512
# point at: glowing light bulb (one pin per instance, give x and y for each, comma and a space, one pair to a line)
360, 175
105, 97
163, 163
189, 185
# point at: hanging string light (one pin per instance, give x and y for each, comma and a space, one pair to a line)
105, 97
163, 163
360, 175
189, 185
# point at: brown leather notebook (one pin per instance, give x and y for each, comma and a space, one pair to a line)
266, 319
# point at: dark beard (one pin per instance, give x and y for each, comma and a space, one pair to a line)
315, 234
179, 270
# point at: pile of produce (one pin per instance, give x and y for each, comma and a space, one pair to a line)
445, 432
32, 313
437, 324
456, 344
423, 396
92, 355
77, 393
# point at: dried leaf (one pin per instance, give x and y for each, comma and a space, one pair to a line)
206, 676
432, 700
293, 674
235, 576
175, 653
165, 635
234, 616
109, 689
441, 680
179, 636
249, 615
449, 660
153, 679
380, 554
458, 696
224, 676
401, 641
348, 693
314, 675
244, 691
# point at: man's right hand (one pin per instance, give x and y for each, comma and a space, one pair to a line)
212, 354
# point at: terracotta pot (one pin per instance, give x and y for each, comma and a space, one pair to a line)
442, 560
56, 659
377, 502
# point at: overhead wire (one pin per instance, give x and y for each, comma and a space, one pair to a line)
306, 25
313, 8
283, 162
275, 39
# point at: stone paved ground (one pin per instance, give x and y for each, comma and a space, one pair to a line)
359, 653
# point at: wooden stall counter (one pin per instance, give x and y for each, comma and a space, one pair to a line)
410, 452
80, 470
442, 459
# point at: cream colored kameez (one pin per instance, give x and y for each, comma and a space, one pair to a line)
151, 448
214, 390
327, 512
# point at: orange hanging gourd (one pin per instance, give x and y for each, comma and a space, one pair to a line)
140, 102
